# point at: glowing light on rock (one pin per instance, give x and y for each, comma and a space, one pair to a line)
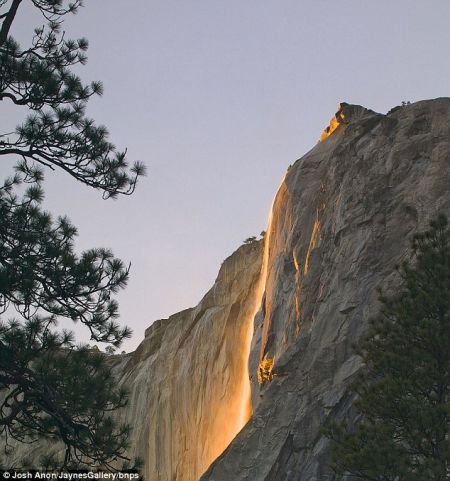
245, 411
296, 264
265, 370
312, 242
232, 417
337, 120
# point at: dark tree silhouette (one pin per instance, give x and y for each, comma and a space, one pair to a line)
57, 134
51, 388
404, 390
53, 391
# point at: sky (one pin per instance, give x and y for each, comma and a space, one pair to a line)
217, 99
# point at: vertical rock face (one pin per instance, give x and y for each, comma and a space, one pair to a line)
341, 220
188, 379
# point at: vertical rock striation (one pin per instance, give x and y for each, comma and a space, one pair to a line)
188, 380
342, 219
291, 309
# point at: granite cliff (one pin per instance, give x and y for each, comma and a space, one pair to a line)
236, 389
188, 380
341, 221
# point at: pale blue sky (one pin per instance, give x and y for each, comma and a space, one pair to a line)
218, 98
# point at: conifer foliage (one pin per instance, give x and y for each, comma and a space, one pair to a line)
56, 133
49, 387
56, 392
404, 391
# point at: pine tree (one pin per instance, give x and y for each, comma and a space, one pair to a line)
50, 387
57, 134
403, 391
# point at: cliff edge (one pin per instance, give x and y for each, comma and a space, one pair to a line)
238, 387
342, 219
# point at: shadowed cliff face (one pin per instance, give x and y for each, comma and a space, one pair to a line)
284, 316
341, 220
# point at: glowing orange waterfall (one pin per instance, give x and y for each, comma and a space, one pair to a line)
245, 410
239, 410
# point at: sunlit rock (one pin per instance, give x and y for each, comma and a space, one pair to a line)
341, 221
271, 342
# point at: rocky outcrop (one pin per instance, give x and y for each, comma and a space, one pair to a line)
188, 379
188, 385
341, 221
282, 317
